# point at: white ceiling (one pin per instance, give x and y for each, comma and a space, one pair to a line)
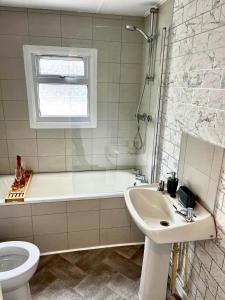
119, 7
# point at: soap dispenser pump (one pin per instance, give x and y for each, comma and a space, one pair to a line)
172, 184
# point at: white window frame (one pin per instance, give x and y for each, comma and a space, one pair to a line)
31, 53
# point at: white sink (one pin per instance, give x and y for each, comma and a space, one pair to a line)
155, 215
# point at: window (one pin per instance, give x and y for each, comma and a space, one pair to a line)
61, 86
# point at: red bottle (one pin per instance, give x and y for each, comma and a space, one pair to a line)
20, 173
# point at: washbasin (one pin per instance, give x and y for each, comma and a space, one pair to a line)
155, 215
158, 216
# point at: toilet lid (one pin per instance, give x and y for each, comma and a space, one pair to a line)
17, 247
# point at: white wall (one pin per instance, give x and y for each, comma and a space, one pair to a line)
194, 103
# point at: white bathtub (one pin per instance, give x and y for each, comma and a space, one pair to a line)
73, 185
71, 211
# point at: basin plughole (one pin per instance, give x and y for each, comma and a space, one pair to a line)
155, 215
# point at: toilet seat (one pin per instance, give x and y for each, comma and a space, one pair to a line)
20, 248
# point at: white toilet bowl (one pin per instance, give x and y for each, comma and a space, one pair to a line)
18, 263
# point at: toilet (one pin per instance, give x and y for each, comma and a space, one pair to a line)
18, 263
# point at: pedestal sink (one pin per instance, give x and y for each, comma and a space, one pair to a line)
155, 215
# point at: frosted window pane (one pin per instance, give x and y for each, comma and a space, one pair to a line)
61, 66
63, 100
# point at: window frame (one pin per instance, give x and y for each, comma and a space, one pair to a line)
31, 55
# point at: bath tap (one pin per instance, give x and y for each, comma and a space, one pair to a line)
142, 178
161, 186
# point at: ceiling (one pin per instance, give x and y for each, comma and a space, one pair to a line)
119, 7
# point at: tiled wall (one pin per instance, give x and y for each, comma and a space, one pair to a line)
57, 226
194, 102
199, 168
150, 98
119, 75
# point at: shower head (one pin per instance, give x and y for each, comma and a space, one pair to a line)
134, 28
131, 27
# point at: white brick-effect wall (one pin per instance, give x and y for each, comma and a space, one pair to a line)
194, 102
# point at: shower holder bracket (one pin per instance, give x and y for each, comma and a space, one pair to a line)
144, 117
150, 78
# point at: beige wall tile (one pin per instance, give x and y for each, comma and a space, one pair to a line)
78, 147
24, 147
108, 111
79, 163
130, 73
52, 163
115, 236
19, 129
78, 133
106, 146
106, 129
109, 203
50, 133
44, 24
107, 29
127, 111
129, 92
4, 166
12, 46
2, 130
13, 90
108, 92
76, 27
108, 72
3, 148
15, 227
108, 51
28, 239
50, 147
13, 23
114, 218
82, 239
83, 221
80, 43
15, 210
15, 110
48, 208
104, 162
131, 53
43, 27
11, 68
45, 41
45, 224
1, 111
83, 205
51, 242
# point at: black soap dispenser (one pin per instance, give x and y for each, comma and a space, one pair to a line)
172, 184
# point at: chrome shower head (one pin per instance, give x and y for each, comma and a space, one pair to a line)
134, 28
131, 27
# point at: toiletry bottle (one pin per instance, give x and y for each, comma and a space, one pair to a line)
20, 173
172, 184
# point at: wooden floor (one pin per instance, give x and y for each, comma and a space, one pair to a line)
103, 274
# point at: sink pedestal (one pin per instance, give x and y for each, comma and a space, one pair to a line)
155, 270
